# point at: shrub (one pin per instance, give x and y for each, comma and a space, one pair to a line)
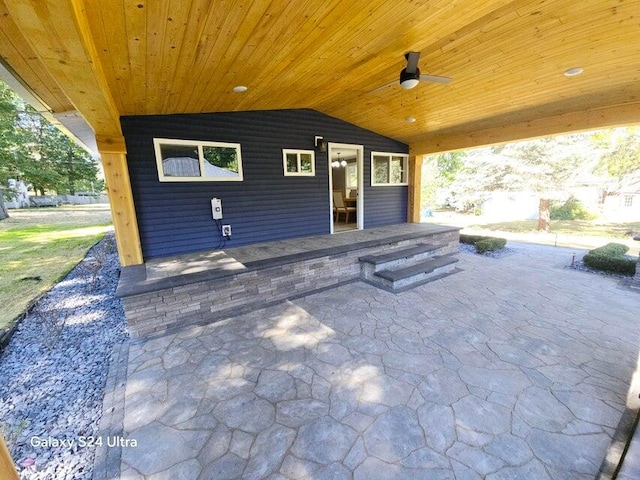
611, 250
483, 244
490, 244
622, 265
471, 239
572, 209
610, 258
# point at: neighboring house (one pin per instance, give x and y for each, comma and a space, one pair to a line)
623, 204
506, 206
18, 194
189, 167
266, 195
613, 200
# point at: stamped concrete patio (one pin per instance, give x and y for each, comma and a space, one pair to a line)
515, 368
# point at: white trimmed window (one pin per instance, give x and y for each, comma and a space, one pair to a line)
197, 161
628, 201
389, 169
298, 163
351, 176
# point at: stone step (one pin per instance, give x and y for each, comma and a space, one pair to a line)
403, 278
370, 264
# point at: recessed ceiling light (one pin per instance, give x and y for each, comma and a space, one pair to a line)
572, 72
240, 89
410, 119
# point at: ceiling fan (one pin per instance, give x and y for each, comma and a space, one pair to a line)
410, 75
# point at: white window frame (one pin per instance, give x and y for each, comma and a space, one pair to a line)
199, 144
405, 169
299, 172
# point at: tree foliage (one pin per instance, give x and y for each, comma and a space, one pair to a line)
449, 164
571, 209
622, 151
36, 152
438, 172
3, 210
542, 166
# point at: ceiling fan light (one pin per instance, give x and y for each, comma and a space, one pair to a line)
409, 79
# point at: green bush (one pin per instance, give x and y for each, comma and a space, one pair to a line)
471, 239
622, 265
490, 244
572, 209
483, 244
610, 258
611, 250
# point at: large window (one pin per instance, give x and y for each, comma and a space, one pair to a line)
298, 162
197, 161
388, 169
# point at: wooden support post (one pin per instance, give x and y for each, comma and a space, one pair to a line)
7, 468
415, 187
114, 162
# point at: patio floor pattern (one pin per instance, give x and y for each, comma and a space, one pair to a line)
515, 368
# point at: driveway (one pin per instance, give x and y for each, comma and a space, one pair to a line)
515, 368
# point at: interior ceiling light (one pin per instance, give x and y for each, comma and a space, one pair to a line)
572, 72
240, 89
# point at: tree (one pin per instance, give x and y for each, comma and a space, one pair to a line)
35, 151
3, 210
6, 140
622, 151
542, 166
439, 171
449, 164
11, 141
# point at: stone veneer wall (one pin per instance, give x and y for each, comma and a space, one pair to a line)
211, 300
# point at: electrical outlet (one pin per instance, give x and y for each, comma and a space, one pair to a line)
226, 231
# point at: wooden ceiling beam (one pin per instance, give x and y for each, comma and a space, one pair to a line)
59, 33
607, 117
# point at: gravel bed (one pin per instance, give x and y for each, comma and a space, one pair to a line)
54, 368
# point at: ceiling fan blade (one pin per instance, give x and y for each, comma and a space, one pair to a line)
386, 85
412, 61
435, 79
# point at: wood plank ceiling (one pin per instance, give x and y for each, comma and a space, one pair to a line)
133, 57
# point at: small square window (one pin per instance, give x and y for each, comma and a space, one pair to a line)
298, 163
388, 169
628, 201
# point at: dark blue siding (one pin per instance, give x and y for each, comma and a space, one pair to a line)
175, 217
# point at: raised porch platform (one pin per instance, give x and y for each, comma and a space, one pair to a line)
165, 294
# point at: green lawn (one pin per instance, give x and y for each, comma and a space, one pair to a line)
39, 246
589, 228
581, 234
